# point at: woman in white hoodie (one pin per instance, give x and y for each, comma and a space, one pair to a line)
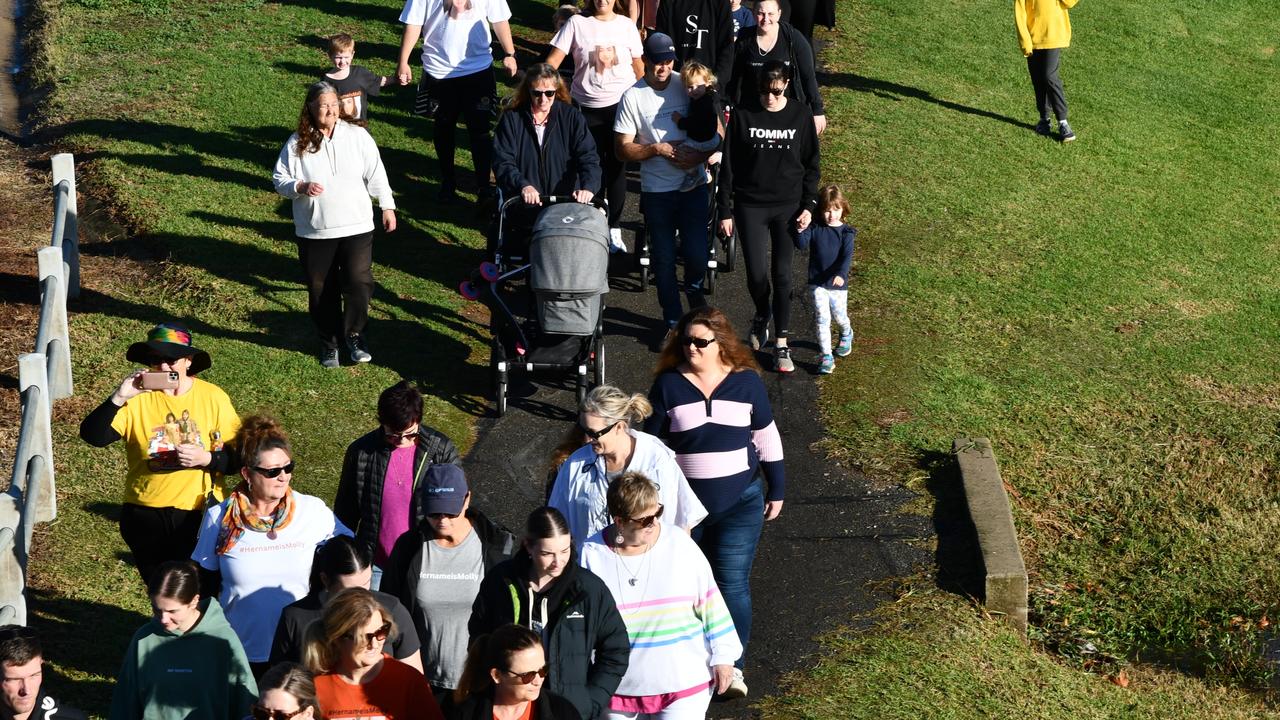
329, 168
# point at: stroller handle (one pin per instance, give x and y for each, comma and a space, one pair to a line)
546, 200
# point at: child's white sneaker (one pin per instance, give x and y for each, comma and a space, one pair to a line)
827, 365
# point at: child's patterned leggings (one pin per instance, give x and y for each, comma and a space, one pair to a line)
828, 304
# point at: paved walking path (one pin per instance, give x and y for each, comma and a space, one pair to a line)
835, 533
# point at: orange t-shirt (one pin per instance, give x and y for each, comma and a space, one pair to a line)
398, 693
526, 715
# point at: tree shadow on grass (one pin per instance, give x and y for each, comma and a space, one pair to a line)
64, 625
958, 560
894, 91
350, 13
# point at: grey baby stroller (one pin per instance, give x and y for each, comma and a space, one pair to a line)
553, 321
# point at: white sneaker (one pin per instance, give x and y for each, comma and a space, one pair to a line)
615, 241
737, 687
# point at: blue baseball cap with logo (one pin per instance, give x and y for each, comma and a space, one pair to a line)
444, 490
658, 47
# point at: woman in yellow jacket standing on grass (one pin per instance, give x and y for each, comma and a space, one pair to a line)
1044, 28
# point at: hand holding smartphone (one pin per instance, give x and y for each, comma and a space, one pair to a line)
158, 380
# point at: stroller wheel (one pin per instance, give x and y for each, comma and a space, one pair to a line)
599, 364
469, 290
644, 278
730, 251
710, 286
501, 396
489, 271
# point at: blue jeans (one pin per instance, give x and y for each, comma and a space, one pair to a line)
728, 538
375, 580
664, 214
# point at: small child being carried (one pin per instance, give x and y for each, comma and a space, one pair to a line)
830, 245
701, 124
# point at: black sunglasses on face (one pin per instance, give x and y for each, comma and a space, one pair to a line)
700, 343
527, 677
542, 93
648, 520
260, 713
397, 437
594, 435
379, 634
772, 91
274, 472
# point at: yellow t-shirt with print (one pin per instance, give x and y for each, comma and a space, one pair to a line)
152, 426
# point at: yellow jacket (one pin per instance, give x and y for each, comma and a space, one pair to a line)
1042, 24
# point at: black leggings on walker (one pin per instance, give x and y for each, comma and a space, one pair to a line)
761, 229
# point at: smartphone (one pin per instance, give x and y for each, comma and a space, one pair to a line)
159, 381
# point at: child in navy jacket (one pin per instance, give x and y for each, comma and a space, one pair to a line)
830, 245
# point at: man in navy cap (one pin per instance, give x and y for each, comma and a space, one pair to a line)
435, 570
646, 132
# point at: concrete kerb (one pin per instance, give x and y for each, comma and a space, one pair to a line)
1006, 574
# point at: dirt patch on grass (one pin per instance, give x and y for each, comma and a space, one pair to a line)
1241, 398
26, 213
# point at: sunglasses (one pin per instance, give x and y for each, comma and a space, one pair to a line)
700, 343
542, 93
443, 516
594, 435
260, 713
274, 472
772, 91
527, 677
648, 520
379, 634
397, 437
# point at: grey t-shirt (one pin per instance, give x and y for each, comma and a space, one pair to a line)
647, 114
446, 589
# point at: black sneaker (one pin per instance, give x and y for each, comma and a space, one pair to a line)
329, 358
356, 349
759, 332
1042, 127
1064, 132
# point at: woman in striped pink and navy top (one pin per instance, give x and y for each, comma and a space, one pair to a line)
710, 406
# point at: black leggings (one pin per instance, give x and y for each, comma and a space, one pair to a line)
759, 229
471, 98
614, 186
338, 269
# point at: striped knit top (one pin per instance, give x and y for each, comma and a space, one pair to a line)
720, 440
676, 619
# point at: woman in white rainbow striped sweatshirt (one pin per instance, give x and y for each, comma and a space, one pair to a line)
683, 643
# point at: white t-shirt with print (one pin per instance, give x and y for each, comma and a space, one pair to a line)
646, 114
455, 33
602, 55
260, 576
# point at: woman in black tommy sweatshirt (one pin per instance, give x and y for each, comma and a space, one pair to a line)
768, 190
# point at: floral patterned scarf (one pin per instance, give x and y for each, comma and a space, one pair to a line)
240, 517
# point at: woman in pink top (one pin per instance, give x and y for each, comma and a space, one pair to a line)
605, 48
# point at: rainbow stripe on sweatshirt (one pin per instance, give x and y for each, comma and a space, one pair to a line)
673, 620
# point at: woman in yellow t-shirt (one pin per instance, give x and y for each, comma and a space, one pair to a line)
175, 468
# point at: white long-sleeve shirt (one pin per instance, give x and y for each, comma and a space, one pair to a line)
350, 170
676, 619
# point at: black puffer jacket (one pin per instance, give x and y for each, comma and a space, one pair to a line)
566, 161
358, 503
581, 619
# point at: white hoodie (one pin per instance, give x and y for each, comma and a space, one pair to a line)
349, 168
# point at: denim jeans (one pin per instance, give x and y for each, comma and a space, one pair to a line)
664, 214
728, 538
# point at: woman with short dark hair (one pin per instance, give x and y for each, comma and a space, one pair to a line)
541, 587
186, 662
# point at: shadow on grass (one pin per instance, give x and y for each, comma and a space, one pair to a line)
958, 561
894, 91
62, 623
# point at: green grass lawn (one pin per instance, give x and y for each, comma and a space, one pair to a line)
1105, 312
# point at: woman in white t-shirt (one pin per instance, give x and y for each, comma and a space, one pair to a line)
262, 538
606, 50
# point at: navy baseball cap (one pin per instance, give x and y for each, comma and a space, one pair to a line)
444, 490
659, 48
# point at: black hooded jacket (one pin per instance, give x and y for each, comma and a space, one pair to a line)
578, 618
565, 161
702, 30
